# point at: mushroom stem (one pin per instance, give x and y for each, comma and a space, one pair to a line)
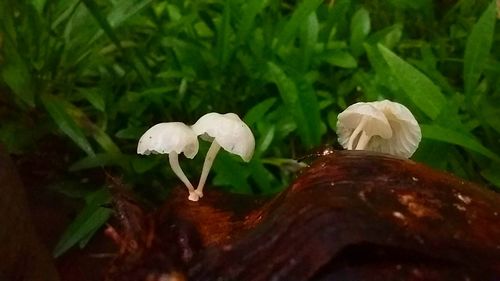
209, 160
355, 134
363, 141
173, 159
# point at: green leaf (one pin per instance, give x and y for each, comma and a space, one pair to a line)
257, 112
252, 8
388, 36
99, 160
91, 218
308, 39
118, 15
39, 5
229, 172
56, 107
418, 87
143, 164
299, 16
266, 140
105, 141
16, 73
340, 58
125, 9
360, 27
492, 174
301, 104
468, 141
477, 49
94, 96
265, 180
223, 35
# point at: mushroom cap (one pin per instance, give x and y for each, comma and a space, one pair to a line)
406, 134
164, 138
229, 131
375, 123
391, 125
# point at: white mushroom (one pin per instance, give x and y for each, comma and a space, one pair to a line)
406, 134
359, 123
227, 131
382, 126
171, 138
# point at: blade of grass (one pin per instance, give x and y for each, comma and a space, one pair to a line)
477, 50
360, 27
258, 111
56, 108
308, 38
92, 217
223, 35
252, 9
116, 17
300, 103
299, 16
468, 141
418, 87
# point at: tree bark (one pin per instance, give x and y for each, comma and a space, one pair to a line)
351, 215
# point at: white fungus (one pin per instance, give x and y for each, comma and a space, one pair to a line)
172, 138
381, 126
227, 131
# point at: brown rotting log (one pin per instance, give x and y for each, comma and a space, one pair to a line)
349, 216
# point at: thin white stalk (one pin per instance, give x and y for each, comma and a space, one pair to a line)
363, 141
356, 132
173, 159
209, 160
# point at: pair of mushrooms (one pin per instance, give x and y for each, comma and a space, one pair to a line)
381, 126
173, 138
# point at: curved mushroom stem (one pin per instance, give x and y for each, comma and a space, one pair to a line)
363, 141
354, 136
209, 160
173, 159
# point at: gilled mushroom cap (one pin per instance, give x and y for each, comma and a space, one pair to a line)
229, 131
164, 138
405, 130
374, 123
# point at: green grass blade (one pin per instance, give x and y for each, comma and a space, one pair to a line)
252, 9
299, 16
418, 87
257, 112
340, 58
477, 49
56, 108
224, 35
360, 27
123, 10
100, 160
14, 70
92, 217
118, 16
301, 103
468, 141
308, 38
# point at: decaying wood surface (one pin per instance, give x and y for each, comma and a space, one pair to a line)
349, 216
22, 256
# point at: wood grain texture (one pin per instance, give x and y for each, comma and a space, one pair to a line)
349, 216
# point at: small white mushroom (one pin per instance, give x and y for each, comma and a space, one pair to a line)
359, 123
382, 126
227, 131
172, 138
406, 134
